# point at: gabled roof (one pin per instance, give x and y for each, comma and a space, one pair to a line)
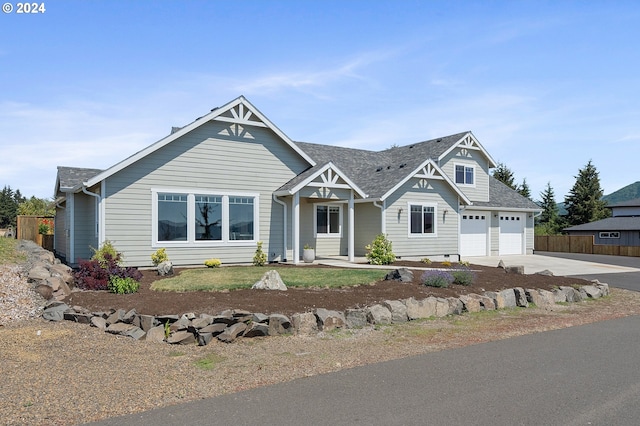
609, 224
330, 179
501, 196
239, 111
70, 178
629, 203
377, 172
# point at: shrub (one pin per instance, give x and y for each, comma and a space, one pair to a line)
436, 278
123, 285
159, 256
95, 274
106, 253
465, 263
212, 263
463, 275
380, 252
260, 257
426, 261
446, 264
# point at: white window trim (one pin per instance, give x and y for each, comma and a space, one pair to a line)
191, 229
434, 234
316, 234
466, 166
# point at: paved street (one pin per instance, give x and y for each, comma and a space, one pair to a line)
583, 375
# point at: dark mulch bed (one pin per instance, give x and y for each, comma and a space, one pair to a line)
149, 302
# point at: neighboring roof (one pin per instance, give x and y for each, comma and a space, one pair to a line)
239, 111
500, 195
629, 203
609, 224
72, 177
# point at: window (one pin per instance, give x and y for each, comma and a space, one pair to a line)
172, 217
186, 218
464, 174
610, 235
328, 220
422, 219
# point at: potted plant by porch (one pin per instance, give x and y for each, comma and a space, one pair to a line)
308, 254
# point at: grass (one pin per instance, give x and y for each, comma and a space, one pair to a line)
209, 362
238, 277
8, 252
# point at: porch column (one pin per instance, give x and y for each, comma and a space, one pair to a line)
296, 228
351, 230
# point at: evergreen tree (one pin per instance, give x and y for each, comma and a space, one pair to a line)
8, 207
584, 203
524, 189
549, 222
504, 175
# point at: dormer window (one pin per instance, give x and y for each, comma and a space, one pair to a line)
465, 175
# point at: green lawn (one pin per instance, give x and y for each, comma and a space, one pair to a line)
237, 277
8, 252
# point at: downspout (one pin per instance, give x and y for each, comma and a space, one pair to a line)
284, 236
97, 219
55, 238
383, 221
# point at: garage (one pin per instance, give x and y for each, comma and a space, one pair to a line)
473, 234
511, 233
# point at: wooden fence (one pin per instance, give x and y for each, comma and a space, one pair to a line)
581, 244
27, 229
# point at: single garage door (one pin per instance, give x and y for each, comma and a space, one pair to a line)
473, 234
511, 233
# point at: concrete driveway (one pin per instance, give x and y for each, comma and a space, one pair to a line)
565, 264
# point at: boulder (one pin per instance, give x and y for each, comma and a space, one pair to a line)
270, 281
590, 291
420, 309
77, 317
165, 268
378, 314
123, 329
442, 307
55, 311
329, 320
516, 269
521, 297
116, 316
199, 323
471, 303
400, 274
279, 324
232, 332
38, 273
546, 272
398, 310
305, 323
156, 334
509, 298
501, 264
356, 318
256, 329
45, 291
99, 322
456, 307
147, 322
181, 337
214, 329
571, 294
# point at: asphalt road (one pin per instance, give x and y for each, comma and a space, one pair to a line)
584, 375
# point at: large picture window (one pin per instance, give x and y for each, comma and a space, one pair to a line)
422, 219
465, 175
328, 220
186, 218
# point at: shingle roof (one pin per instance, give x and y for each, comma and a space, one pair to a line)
69, 177
629, 203
609, 224
500, 195
375, 172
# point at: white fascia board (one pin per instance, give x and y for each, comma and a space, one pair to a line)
492, 162
501, 209
324, 168
442, 176
188, 128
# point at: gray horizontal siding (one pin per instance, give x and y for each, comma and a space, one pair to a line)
472, 158
201, 160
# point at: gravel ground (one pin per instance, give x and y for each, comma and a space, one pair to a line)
67, 373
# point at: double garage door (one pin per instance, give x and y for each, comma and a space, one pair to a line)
474, 233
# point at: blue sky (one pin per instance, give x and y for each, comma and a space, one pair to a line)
544, 86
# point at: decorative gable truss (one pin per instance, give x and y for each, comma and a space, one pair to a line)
424, 173
468, 143
326, 182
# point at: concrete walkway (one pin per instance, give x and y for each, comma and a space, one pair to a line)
532, 263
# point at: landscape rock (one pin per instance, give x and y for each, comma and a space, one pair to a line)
378, 314
571, 294
156, 334
498, 299
99, 322
501, 264
356, 318
400, 274
165, 268
213, 329
45, 291
55, 311
232, 332
305, 323
256, 329
398, 310
521, 297
77, 317
546, 272
516, 269
38, 273
279, 324
509, 298
329, 320
270, 281
471, 303
181, 337
442, 307
420, 309
590, 291
456, 307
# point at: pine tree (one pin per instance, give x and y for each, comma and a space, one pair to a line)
8, 207
549, 222
524, 189
504, 175
584, 203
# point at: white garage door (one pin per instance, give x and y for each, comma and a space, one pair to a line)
511, 233
473, 234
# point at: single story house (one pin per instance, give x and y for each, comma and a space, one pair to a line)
621, 229
219, 185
